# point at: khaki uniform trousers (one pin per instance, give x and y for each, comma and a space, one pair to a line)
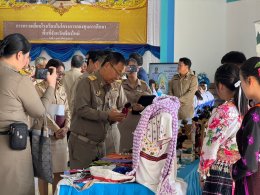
126, 129
112, 141
83, 151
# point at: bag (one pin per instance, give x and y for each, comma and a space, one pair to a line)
41, 155
18, 136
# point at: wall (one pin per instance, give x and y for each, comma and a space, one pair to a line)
240, 26
200, 33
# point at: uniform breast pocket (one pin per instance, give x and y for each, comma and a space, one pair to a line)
99, 103
113, 98
62, 98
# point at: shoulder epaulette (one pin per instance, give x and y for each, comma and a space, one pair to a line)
92, 77
143, 82
118, 81
23, 72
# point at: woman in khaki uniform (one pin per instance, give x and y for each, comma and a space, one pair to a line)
134, 88
58, 128
18, 100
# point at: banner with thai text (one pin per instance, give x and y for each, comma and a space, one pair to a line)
76, 23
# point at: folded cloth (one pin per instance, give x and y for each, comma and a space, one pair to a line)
105, 173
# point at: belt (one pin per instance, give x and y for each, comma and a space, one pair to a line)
5, 132
85, 139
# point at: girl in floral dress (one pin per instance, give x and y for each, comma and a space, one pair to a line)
219, 149
246, 171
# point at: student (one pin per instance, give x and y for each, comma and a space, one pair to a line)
219, 149
246, 171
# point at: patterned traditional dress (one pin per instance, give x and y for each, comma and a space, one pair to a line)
154, 147
246, 171
220, 150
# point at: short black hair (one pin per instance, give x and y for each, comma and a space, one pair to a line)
13, 44
137, 57
114, 58
77, 61
131, 60
97, 55
54, 63
185, 61
233, 57
151, 81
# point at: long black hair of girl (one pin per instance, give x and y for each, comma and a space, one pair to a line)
228, 75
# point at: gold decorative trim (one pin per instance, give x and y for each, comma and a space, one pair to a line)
61, 9
121, 4
14, 4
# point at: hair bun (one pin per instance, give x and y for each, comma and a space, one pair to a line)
3, 44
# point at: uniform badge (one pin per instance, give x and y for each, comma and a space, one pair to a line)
98, 93
92, 77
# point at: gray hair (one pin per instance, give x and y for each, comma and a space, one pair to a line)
39, 60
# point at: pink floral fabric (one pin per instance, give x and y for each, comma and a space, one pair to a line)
220, 140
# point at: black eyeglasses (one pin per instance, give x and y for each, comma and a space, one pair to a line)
117, 72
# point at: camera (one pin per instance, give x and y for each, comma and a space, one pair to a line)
41, 73
132, 68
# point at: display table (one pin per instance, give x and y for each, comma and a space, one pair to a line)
190, 175
187, 172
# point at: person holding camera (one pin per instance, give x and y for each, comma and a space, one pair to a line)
18, 100
58, 122
134, 88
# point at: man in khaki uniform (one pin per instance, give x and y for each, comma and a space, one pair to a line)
72, 75
184, 86
95, 59
98, 103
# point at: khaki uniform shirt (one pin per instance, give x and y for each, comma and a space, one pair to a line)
59, 147
93, 100
184, 88
19, 98
60, 98
73, 90
69, 79
133, 94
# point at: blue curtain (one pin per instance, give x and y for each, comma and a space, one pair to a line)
64, 52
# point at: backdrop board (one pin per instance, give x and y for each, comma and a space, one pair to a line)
104, 22
162, 73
